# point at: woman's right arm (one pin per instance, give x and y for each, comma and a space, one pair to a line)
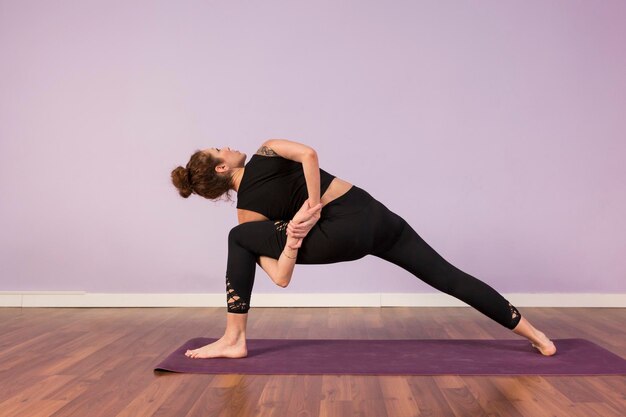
304, 154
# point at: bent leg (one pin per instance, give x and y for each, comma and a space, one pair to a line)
331, 240
246, 242
412, 253
264, 239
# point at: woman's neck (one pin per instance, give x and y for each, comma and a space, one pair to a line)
236, 178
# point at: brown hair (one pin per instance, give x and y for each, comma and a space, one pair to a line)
200, 177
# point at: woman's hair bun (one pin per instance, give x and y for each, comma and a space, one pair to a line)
199, 177
181, 180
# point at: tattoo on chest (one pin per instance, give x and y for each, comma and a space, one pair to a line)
266, 151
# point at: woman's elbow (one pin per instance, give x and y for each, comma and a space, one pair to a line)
283, 281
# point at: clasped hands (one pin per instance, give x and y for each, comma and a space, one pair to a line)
302, 223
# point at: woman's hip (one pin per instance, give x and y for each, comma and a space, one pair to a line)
354, 225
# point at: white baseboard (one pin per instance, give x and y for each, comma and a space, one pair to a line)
85, 299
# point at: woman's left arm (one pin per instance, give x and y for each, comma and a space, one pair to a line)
307, 156
280, 270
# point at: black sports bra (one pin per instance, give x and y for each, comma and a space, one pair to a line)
275, 186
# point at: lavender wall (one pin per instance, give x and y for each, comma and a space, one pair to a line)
497, 129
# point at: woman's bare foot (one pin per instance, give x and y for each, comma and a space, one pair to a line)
222, 348
545, 345
538, 340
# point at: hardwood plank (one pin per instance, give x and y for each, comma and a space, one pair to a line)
149, 400
39, 408
274, 399
367, 396
463, 402
491, 400
398, 397
533, 396
429, 398
23, 401
113, 392
187, 389
306, 396
336, 408
241, 399
212, 402
612, 389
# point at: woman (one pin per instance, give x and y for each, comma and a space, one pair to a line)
331, 221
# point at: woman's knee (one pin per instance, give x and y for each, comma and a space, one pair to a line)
236, 233
264, 238
248, 234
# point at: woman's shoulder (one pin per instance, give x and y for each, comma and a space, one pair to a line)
270, 157
266, 151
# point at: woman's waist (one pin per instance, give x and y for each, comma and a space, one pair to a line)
352, 201
336, 189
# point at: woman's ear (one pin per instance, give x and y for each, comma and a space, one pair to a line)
222, 168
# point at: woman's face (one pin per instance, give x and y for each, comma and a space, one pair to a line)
234, 159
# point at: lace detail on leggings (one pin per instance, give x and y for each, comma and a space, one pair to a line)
235, 304
281, 225
514, 313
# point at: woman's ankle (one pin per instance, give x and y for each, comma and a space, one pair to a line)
235, 332
526, 329
234, 338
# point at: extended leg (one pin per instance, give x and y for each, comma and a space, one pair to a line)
412, 253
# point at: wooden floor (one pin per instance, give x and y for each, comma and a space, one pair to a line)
98, 362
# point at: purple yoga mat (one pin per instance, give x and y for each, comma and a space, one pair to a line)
401, 357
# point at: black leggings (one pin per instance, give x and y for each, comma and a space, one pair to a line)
350, 227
